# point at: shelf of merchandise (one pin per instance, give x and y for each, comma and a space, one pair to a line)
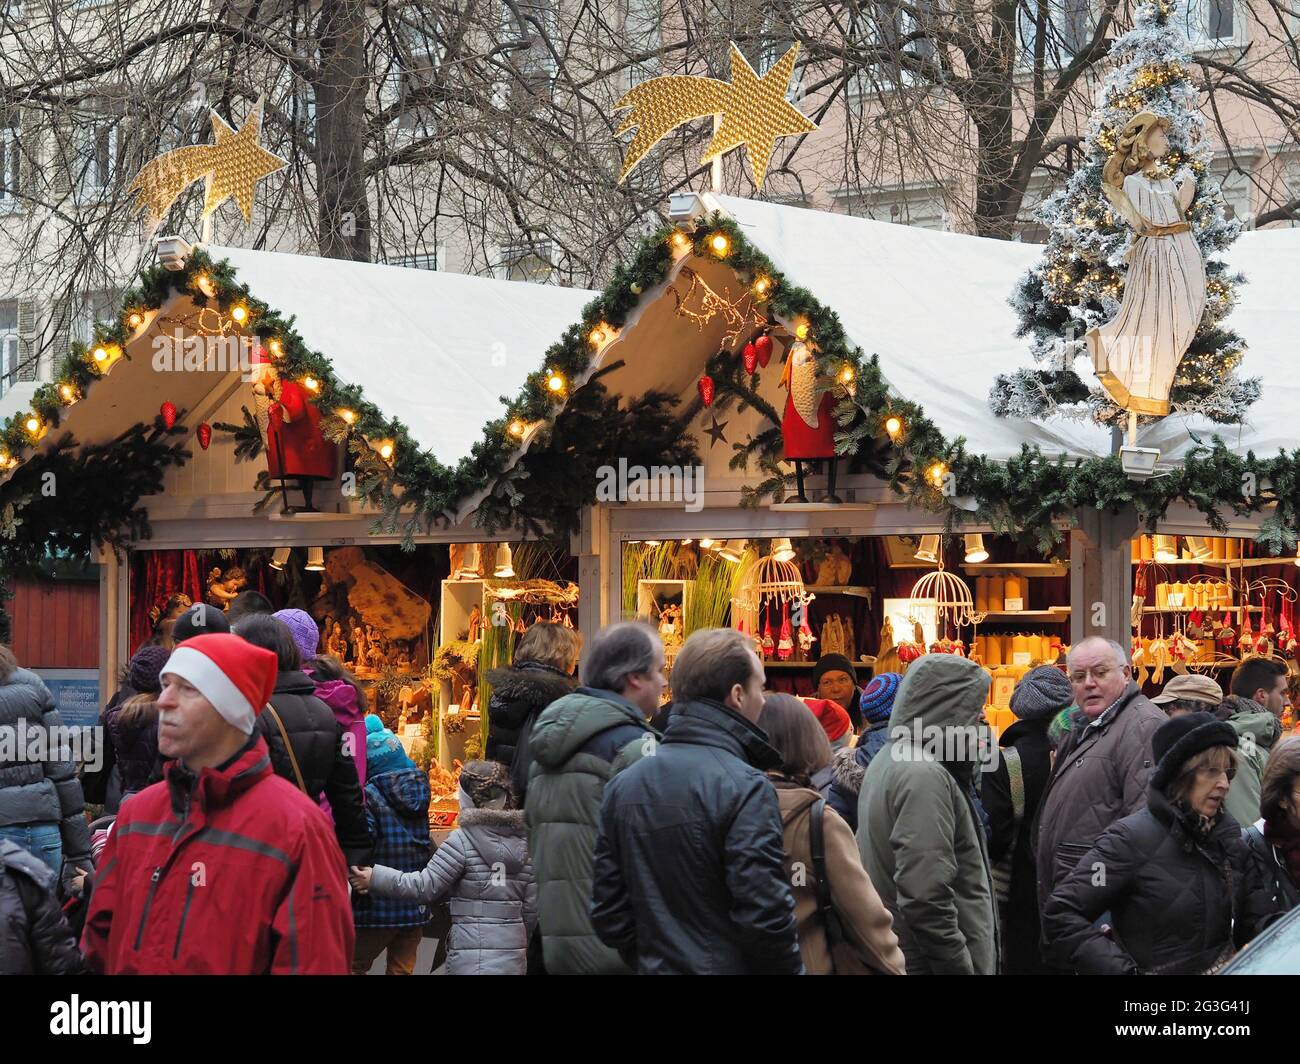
1023, 568
1052, 615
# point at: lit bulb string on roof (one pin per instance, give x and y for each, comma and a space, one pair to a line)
1024, 494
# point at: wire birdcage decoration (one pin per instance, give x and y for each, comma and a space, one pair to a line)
768, 582
948, 595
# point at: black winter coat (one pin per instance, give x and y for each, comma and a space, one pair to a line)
1020, 931
1177, 905
519, 694
135, 747
1271, 873
41, 792
689, 874
34, 936
326, 766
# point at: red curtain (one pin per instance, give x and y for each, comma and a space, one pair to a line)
155, 575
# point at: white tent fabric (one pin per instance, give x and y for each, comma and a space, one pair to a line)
435, 350
934, 307
1267, 317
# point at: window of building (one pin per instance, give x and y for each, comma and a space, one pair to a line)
10, 163
921, 205
96, 144
1235, 186
533, 67
92, 307
422, 53
9, 344
435, 260
1028, 228
892, 27
1068, 27
1211, 23
526, 261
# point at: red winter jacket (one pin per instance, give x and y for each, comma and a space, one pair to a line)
233, 873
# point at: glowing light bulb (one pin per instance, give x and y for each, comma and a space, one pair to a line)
555, 381
311, 384
720, 244
893, 426
239, 313
517, 428
349, 416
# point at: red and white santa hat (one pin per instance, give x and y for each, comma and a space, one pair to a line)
231, 673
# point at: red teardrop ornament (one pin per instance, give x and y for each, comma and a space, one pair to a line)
763, 345
168, 412
205, 435
705, 385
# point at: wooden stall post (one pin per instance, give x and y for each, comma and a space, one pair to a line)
1101, 578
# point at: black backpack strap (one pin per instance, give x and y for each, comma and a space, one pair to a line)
825, 910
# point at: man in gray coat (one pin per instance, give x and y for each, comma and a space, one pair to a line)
1104, 765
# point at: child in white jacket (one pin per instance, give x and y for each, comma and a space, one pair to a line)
485, 867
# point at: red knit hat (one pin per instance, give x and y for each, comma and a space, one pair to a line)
833, 718
231, 673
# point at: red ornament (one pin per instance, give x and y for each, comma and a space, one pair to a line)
750, 355
705, 385
763, 346
168, 412
205, 435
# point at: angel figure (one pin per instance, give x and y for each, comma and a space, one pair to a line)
1137, 352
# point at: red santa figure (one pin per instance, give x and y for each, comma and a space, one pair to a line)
807, 426
295, 447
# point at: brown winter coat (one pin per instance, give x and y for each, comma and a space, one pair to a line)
865, 919
1101, 775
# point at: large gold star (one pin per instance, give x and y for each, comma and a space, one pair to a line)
231, 167
754, 111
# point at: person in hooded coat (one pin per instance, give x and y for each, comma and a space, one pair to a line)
919, 832
485, 867
1254, 709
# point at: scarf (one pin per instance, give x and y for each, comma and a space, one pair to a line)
1282, 835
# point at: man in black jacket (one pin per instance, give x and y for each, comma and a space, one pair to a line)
689, 866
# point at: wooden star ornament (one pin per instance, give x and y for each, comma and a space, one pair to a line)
231, 167
754, 111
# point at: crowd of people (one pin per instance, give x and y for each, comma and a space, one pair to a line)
258, 820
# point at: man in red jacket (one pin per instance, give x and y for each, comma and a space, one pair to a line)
224, 868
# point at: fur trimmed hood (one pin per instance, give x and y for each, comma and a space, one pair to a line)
535, 685
499, 835
846, 772
505, 821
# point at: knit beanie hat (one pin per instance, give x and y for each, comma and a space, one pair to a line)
306, 636
384, 750
486, 784
199, 619
236, 677
1042, 693
1184, 737
833, 663
833, 717
877, 700
146, 664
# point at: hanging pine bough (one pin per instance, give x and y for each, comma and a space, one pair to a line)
1079, 284
1025, 496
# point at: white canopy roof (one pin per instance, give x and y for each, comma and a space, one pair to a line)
933, 306
435, 350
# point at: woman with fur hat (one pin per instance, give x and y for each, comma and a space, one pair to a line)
1174, 876
485, 867
1010, 794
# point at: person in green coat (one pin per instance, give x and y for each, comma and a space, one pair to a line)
579, 743
1254, 709
921, 839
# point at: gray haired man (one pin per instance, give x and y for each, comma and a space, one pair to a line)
1103, 766
579, 743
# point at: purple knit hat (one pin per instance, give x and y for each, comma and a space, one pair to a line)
306, 636
145, 667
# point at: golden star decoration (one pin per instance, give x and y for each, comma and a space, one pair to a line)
231, 167
754, 111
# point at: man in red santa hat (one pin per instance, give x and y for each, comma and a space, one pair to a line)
290, 422
223, 868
